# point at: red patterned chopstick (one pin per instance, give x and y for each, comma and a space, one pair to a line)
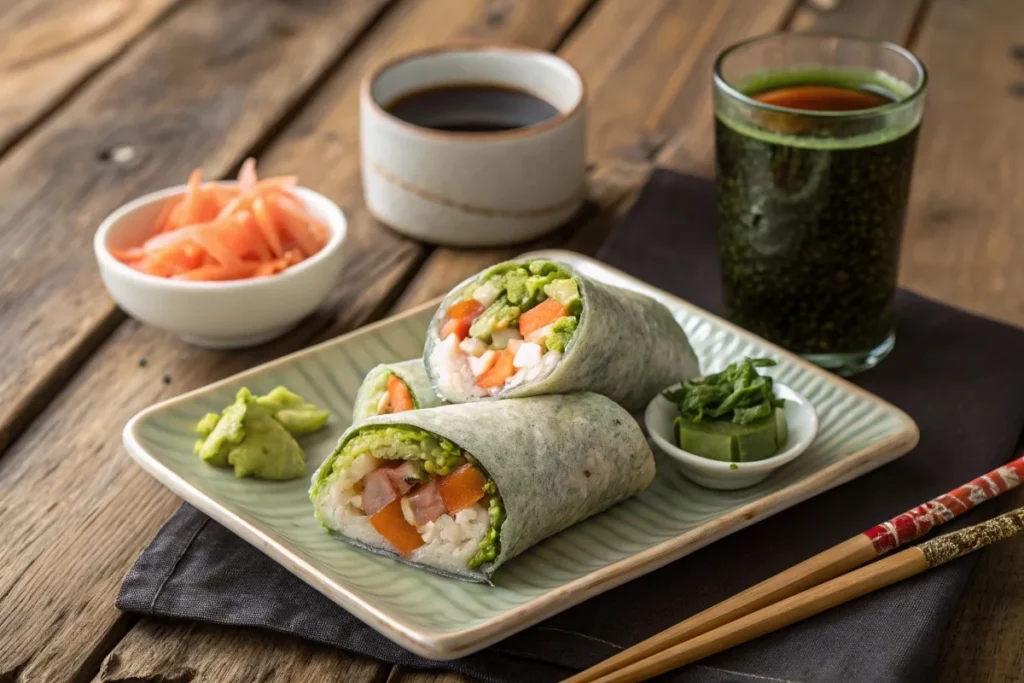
824, 566
915, 523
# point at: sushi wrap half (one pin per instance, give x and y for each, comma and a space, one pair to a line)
462, 489
379, 394
534, 327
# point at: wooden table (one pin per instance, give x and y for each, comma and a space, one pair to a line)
108, 99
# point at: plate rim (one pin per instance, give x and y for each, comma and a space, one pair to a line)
447, 645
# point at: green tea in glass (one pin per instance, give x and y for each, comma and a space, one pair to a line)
815, 139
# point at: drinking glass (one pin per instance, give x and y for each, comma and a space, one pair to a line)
811, 200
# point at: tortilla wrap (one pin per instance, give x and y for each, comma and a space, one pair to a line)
375, 385
555, 461
627, 347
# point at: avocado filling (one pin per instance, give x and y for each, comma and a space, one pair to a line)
511, 325
413, 492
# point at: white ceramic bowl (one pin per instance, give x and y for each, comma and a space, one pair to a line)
219, 315
801, 420
479, 188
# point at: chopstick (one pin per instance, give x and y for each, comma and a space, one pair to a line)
888, 571
836, 561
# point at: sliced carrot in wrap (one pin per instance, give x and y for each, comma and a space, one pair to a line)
499, 372
544, 313
398, 395
462, 488
390, 523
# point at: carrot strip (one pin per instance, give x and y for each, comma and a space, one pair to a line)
265, 222
462, 488
215, 231
204, 273
469, 309
247, 179
292, 256
295, 222
457, 326
279, 182
160, 224
502, 369
166, 240
399, 395
129, 254
390, 523
257, 244
206, 237
544, 313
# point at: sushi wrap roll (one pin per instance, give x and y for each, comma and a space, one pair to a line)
392, 388
534, 327
462, 489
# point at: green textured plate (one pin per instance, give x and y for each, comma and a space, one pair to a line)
442, 618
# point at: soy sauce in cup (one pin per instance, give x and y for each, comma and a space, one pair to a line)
472, 108
815, 143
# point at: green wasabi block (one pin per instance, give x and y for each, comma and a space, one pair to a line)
293, 412
732, 442
254, 435
732, 416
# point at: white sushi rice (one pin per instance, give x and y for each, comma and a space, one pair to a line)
448, 543
455, 369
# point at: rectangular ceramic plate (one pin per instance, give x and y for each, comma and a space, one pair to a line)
443, 618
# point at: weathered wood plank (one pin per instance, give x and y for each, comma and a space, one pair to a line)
881, 20
983, 645
76, 510
964, 240
641, 92
164, 651
401, 675
204, 88
48, 48
379, 261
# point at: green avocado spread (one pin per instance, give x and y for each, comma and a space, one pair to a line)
520, 287
439, 457
256, 435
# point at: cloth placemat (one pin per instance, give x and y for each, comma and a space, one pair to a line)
956, 374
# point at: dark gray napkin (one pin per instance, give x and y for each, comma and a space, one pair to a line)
956, 374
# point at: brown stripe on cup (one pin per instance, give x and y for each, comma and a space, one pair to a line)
475, 209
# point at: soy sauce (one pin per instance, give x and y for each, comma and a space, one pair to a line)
472, 109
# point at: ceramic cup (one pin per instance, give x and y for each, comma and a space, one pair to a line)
475, 188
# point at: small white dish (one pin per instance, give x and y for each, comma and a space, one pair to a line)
474, 189
217, 315
801, 420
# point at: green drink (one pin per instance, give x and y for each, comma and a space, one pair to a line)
814, 158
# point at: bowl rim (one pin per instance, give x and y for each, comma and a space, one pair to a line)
336, 222
735, 468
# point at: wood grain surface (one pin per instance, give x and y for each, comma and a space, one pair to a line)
114, 108
167, 652
640, 93
100, 507
48, 48
141, 125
